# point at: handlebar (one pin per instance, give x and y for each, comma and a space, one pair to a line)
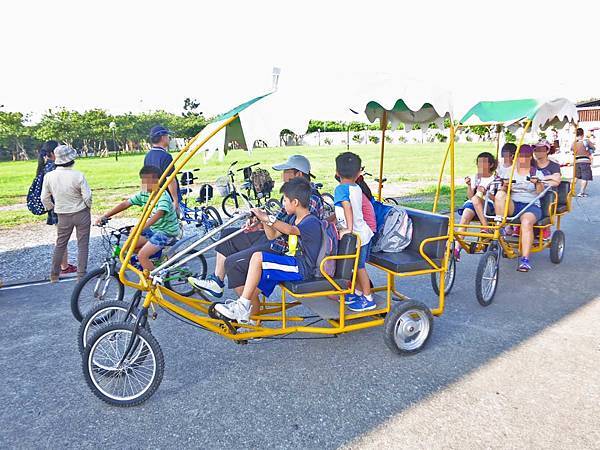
247, 167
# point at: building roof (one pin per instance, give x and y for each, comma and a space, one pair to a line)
589, 104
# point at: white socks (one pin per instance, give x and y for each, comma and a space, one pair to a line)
245, 302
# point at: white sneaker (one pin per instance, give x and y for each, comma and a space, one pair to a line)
212, 285
235, 310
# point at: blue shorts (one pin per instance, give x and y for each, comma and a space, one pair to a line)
469, 205
277, 269
158, 238
364, 255
534, 209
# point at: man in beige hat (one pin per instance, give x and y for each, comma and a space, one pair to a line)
67, 192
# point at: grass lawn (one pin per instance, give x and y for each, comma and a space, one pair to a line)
410, 169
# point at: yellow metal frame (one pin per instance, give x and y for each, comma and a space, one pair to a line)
510, 247
197, 310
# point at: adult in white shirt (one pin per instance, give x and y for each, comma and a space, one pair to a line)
67, 192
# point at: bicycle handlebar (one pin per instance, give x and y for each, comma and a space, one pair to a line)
248, 167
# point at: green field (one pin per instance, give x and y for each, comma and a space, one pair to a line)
411, 171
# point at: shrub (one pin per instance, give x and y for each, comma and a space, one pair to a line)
357, 138
441, 137
510, 137
389, 139
374, 139
328, 141
402, 140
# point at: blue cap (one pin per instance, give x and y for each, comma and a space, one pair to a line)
159, 130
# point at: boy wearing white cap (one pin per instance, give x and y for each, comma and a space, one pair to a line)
67, 192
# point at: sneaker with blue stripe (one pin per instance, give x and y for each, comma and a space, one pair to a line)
350, 298
213, 285
361, 304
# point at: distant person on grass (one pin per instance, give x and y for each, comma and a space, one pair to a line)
158, 156
46, 165
161, 228
67, 193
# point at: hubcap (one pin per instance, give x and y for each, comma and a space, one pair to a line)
412, 329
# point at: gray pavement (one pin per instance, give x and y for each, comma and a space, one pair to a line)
520, 373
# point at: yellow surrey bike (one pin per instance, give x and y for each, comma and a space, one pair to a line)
527, 114
123, 363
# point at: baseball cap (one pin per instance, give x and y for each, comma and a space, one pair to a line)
526, 150
64, 154
297, 162
543, 143
159, 130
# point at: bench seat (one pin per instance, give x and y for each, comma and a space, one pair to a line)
406, 261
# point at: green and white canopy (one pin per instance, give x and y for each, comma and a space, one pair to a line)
402, 101
543, 114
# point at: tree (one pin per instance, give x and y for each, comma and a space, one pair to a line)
12, 133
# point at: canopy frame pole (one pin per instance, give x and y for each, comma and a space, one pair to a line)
439, 183
383, 123
498, 131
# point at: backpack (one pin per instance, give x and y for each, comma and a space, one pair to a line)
34, 196
329, 246
394, 229
262, 181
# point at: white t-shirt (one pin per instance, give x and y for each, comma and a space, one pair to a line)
352, 193
523, 190
477, 181
503, 171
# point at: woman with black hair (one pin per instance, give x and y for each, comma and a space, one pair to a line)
45, 165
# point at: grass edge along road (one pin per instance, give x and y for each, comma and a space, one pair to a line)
411, 171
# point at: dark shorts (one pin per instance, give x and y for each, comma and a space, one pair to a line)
583, 171
238, 251
364, 255
469, 205
277, 269
534, 209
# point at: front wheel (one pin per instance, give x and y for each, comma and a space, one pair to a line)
407, 327
102, 314
557, 247
234, 201
127, 383
212, 220
486, 278
98, 285
177, 279
448, 279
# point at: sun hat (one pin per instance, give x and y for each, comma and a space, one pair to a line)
543, 143
296, 162
64, 154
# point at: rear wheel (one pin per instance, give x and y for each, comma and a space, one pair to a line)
234, 201
557, 246
407, 327
97, 286
102, 314
390, 201
129, 383
177, 279
274, 206
486, 278
448, 279
328, 204
211, 221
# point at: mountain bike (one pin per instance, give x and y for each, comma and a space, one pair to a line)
205, 217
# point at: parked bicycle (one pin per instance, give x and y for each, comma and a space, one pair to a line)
103, 283
205, 217
257, 190
388, 200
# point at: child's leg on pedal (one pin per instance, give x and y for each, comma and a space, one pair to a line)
145, 253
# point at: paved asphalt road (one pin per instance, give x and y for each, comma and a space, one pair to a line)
520, 373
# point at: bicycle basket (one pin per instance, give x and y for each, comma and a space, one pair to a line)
206, 193
187, 178
223, 187
262, 181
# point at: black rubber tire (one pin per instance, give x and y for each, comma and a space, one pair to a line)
451, 277
390, 325
185, 288
274, 206
557, 247
109, 310
390, 201
154, 348
76, 303
230, 209
216, 220
491, 255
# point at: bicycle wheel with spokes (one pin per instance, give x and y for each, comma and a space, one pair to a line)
211, 220
233, 202
177, 279
117, 377
448, 279
97, 286
328, 204
486, 278
104, 313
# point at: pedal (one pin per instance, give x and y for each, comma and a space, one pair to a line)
214, 314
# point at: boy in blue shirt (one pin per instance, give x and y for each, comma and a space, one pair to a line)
348, 199
162, 227
266, 269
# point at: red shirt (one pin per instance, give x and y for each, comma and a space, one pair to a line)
369, 213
